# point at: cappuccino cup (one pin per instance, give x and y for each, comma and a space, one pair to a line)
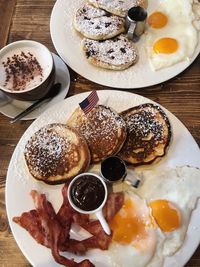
27, 70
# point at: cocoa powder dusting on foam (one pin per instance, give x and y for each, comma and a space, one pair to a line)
20, 69
47, 152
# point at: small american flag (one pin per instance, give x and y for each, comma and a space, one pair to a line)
90, 102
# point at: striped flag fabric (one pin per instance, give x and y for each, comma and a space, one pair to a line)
90, 102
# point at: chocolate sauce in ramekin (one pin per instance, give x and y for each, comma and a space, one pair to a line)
87, 193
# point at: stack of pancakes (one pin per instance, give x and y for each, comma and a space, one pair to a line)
102, 23
58, 152
103, 129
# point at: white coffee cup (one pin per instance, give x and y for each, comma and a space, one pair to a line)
30, 64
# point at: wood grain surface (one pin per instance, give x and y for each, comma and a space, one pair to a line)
24, 19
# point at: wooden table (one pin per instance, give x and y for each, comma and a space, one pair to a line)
29, 19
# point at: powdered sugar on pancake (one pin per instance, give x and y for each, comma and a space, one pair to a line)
143, 123
97, 24
103, 129
118, 7
56, 153
46, 149
149, 133
106, 123
117, 52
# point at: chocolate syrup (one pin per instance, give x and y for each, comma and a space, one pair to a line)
87, 193
113, 169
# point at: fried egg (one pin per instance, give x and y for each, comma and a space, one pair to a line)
172, 195
134, 234
154, 219
171, 36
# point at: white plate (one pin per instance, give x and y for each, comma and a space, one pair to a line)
11, 108
19, 180
67, 43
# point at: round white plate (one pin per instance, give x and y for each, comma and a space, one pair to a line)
12, 108
183, 150
67, 43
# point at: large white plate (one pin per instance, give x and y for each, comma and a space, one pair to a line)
67, 43
12, 107
183, 150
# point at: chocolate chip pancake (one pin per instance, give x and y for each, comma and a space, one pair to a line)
118, 7
103, 129
148, 134
97, 24
117, 53
56, 153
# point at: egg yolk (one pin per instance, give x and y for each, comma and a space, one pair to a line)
127, 225
166, 215
165, 46
157, 20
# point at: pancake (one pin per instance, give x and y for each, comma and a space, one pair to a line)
118, 7
97, 24
148, 134
56, 153
117, 53
103, 129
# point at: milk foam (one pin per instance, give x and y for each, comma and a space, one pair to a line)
42, 56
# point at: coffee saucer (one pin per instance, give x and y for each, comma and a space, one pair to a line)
11, 107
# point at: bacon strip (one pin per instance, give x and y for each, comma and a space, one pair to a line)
66, 214
99, 239
113, 205
31, 222
52, 230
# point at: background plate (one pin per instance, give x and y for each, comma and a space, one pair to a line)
67, 43
19, 179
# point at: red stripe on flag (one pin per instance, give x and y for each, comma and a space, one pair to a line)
90, 102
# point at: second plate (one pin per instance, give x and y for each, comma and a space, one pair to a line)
67, 43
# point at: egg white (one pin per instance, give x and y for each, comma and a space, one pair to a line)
127, 255
181, 187
180, 27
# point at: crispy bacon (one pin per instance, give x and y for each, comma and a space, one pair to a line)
64, 216
113, 205
67, 213
99, 239
31, 222
52, 230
